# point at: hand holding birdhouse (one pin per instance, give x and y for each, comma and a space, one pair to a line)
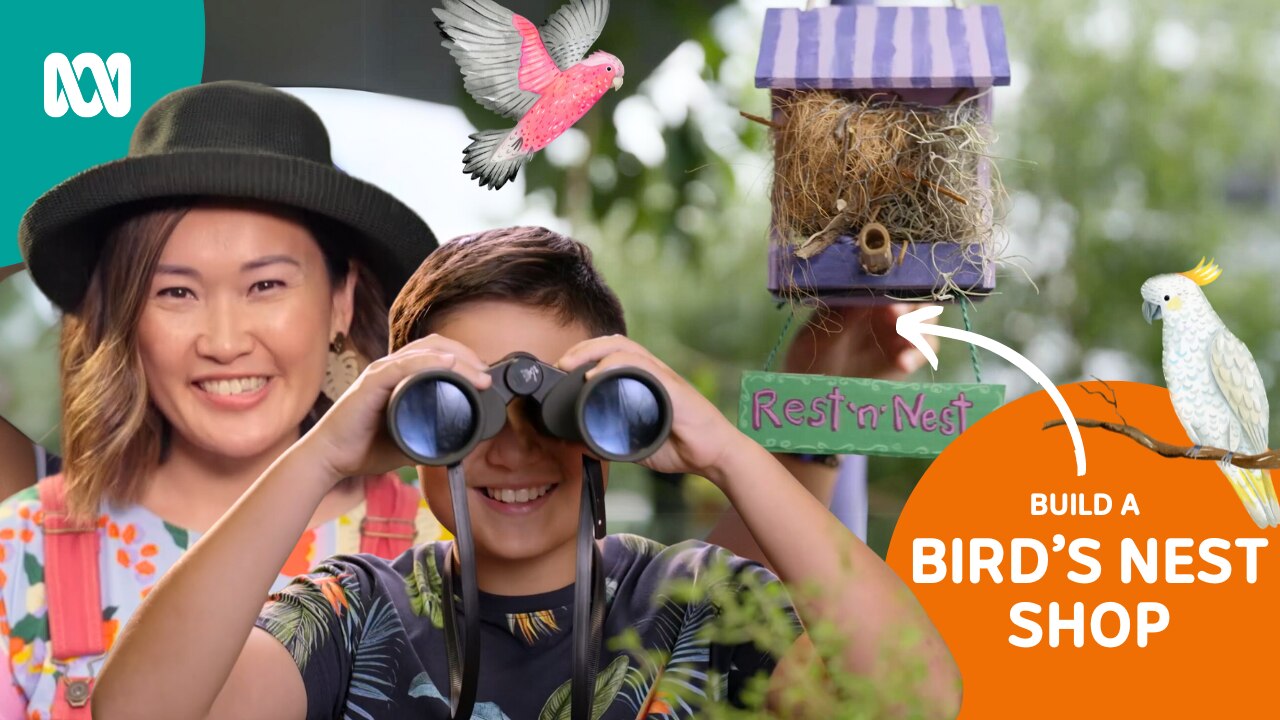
855, 341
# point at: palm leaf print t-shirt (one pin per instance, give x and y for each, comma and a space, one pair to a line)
367, 636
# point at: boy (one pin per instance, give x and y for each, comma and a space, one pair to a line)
360, 637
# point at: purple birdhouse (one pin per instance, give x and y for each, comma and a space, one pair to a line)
881, 128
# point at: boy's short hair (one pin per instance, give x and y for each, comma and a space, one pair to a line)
528, 265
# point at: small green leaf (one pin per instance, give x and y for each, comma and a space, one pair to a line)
35, 571
557, 706
608, 683
180, 535
423, 587
31, 628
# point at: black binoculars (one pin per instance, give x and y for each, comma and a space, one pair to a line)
437, 417
622, 414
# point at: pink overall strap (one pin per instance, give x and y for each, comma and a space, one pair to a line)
391, 507
73, 595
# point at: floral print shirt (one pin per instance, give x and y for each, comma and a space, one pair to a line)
136, 548
367, 636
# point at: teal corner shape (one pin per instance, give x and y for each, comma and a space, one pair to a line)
164, 40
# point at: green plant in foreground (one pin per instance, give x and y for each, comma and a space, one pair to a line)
746, 609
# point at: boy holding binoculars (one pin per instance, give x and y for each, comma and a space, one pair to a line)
361, 637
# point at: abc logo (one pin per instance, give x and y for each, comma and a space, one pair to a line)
112, 80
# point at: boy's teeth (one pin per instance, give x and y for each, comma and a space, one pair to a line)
523, 495
234, 386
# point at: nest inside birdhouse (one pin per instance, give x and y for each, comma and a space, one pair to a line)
844, 163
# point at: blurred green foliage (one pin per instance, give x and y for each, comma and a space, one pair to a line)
1139, 135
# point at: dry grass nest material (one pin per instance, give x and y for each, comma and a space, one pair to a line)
842, 163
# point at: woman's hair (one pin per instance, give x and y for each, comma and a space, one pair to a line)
529, 265
112, 434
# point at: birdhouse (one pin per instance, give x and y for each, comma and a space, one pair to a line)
881, 129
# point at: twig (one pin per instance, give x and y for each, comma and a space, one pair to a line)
1112, 401
935, 186
1269, 460
758, 119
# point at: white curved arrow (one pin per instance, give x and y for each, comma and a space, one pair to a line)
913, 328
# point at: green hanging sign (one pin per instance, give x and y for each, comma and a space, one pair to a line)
822, 415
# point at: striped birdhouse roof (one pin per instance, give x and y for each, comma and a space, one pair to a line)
863, 47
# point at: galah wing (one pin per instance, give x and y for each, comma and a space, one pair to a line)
539, 77
506, 61
482, 38
573, 29
537, 69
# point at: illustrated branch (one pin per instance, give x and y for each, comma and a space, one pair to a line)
1269, 460
1113, 401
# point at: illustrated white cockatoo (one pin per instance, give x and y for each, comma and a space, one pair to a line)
1214, 383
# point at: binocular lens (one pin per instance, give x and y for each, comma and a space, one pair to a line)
622, 417
435, 418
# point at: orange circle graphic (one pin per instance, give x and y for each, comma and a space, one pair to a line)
1208, 635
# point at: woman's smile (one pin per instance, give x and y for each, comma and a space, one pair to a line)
234, 393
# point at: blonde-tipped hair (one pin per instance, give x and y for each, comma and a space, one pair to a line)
111, 433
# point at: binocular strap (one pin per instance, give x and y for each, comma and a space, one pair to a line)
588, 603
588, 608
462, 682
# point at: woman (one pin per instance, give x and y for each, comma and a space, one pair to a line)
218, 287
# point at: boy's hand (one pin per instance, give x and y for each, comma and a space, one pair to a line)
700, 437
855, 341
351, 440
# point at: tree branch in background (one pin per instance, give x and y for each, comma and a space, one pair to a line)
1269, 460
8, 270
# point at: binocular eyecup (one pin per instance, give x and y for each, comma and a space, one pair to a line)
623, 414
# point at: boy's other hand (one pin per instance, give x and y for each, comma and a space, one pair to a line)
855, 341
700, 437
352, 439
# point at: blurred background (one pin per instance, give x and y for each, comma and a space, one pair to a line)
1137, 136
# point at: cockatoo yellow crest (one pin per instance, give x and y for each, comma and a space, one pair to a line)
1203, 274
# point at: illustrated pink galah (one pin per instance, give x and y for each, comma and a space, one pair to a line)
542, 78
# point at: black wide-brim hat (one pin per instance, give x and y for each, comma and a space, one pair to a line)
225, 139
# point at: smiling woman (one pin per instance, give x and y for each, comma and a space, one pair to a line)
235, 305
215, 284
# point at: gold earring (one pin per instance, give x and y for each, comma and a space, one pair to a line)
343, 368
